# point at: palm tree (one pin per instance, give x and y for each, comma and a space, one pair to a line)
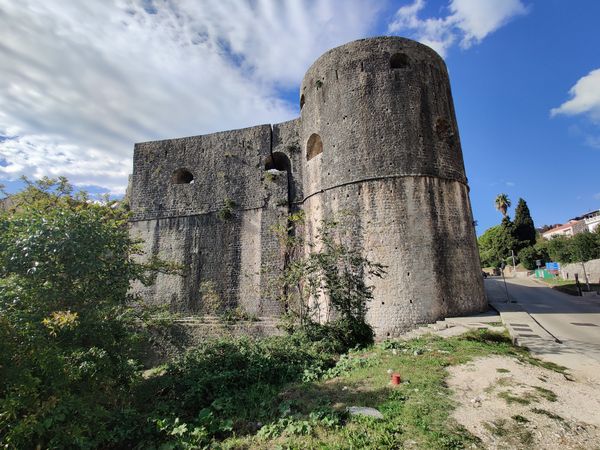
502, 203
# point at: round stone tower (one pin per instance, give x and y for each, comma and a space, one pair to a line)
381, 145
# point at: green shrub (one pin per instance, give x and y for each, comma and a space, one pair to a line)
68, 339
222, 379
529, 255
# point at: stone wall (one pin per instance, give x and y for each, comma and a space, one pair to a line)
592, 268
216, 227
376, 141
390, 156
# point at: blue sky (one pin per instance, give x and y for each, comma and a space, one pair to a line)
80, 82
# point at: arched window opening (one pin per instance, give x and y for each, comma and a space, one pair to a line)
182, 176
277, 161
301, 102
314, 146
399, 61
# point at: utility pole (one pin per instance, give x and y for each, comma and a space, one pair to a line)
587, 281
502, 266
514, 265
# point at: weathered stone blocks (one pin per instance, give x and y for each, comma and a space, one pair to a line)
376, 137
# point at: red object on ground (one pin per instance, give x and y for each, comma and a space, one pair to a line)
396, 378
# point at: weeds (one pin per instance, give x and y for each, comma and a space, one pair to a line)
546, 393
226, 211
510, 399
547, 414
512, 433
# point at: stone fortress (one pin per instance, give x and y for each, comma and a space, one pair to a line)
376, 139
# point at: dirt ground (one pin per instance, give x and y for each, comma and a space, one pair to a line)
514, 405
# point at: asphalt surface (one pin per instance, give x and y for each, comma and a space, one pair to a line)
561, 328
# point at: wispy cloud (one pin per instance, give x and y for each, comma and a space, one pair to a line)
82, 81
597, 196
468, 22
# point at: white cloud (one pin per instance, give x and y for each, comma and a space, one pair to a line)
585, 98
469, 21
82, 81
597, 196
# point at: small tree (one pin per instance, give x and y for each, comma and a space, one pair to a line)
524, 228
584, 247
529, 255
559, 249
496, 243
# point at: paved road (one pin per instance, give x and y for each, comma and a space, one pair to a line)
573, 321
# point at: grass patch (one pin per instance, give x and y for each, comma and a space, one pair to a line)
511, 399
514, 435
288, 393
501, 370
498, 427
527, 397
546, 413
546, 393
526, 357
417, 411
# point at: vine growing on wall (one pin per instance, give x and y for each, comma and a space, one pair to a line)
325, 280
226, 211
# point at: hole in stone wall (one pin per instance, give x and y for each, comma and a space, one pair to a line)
182, 176
398, 61
314, 146
301, 102
278, 161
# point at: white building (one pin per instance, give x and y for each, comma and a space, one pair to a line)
592, 220
568, 229
587, 222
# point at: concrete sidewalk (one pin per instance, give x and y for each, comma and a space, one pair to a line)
523, 329
527, 331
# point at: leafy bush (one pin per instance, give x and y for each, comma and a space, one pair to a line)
529, 255
68, 339
580, 248
496, 243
